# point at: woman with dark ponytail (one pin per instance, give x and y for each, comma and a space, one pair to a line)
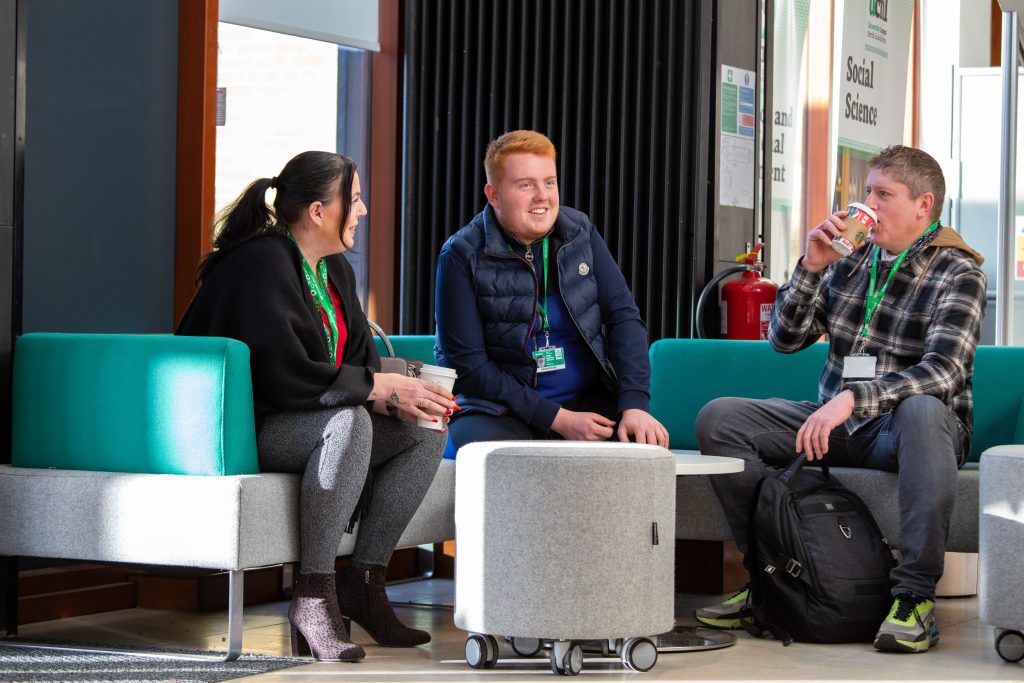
276, 280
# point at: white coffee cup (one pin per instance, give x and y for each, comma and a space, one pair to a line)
446, 378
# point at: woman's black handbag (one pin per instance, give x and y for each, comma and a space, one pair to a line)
818, 563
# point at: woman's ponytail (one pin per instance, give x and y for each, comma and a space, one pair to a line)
247, 217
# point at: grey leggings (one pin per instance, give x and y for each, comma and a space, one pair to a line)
334, 449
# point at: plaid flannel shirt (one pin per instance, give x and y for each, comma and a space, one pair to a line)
923, 333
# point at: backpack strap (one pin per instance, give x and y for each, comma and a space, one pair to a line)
788, 475
791, 566
753, 622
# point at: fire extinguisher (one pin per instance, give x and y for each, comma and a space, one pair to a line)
747, 301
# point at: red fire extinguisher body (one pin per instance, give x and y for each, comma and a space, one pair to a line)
748, 302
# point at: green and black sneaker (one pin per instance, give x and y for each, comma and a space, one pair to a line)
910, 626
725, 614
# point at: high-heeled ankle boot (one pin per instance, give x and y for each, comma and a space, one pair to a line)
317, 627
362, 599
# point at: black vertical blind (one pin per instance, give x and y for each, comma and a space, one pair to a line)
620, 86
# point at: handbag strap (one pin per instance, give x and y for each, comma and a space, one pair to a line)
383, 337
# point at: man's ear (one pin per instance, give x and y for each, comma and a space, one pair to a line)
491, 193
924, 204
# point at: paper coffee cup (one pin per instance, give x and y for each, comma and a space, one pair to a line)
438, 375
860, 219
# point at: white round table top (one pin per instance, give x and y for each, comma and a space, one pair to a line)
688, 462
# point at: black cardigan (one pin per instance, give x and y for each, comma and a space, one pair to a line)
257, 294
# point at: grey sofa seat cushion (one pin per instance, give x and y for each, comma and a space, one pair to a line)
699, 515
221, 522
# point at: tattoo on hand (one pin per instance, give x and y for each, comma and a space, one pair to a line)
394, 397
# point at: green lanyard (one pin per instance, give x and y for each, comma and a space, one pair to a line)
873, 298
542, 308
542, 303
317, 283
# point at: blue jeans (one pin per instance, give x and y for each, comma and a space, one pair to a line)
922, 440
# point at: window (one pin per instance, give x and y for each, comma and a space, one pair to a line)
282, 95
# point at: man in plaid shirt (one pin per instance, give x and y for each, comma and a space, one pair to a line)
903, 316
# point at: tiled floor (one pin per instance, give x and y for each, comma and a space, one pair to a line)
965, 653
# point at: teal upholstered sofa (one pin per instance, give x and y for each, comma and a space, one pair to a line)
141, 449
687, 373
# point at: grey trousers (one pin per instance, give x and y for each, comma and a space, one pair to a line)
334, 449
921, 440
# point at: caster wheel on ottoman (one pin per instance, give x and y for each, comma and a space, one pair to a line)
639, 654
526, 647
481, 651
1010, 646
566, 658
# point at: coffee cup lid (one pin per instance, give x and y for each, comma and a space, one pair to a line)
438, 370
862, 207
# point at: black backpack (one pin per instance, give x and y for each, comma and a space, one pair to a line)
819, 566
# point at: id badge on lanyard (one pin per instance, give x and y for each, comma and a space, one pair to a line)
859, 366
548, 358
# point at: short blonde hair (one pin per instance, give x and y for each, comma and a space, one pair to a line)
515, 142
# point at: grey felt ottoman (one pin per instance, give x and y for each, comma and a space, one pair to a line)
1000, 540
564, 541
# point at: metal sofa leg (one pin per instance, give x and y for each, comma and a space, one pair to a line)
236, 584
